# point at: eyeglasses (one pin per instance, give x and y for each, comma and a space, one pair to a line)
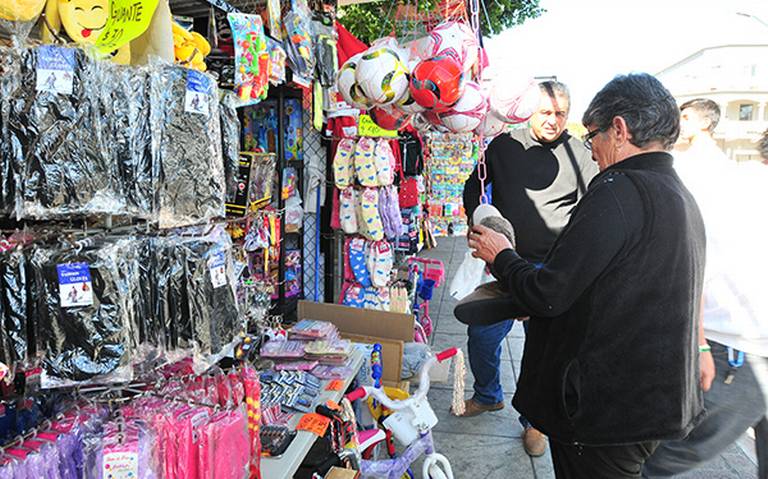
589, 136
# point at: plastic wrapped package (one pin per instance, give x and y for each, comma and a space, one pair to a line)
125, 110
18, 17
224, 447
56, 133
230, 139
84, 305
211, 296
298, 44
326, 50
170, 292
14, 306
10, 76
126, 453
151, 328
186, 145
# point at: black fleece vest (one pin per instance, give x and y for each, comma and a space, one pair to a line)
621, 365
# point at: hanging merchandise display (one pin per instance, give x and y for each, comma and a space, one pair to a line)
251, 57
190, 48
451, 160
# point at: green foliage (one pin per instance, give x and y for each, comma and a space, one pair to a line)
369, 21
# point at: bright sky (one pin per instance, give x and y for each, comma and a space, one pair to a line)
585, 43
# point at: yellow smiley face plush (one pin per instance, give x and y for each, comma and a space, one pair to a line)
21, 10
84, 20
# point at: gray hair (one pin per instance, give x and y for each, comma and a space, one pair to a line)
706, 108
762, 145
642, 101
553, 88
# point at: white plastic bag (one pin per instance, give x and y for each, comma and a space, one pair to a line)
469, 276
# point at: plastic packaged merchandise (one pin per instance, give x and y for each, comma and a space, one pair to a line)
187, 146
13, 308
125, 110
230, 139
10, 76
211, 295
56, 133
83, 310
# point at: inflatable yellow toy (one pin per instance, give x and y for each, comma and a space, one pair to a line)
83, 21
21, 10
190, 48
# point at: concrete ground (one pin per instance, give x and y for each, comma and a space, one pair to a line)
489, 446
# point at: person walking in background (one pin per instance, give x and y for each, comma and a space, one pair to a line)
611, 362
538, 175
735, 312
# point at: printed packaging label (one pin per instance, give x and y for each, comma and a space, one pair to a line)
55, 69
217, 267
120, 465
198, 93
75, 285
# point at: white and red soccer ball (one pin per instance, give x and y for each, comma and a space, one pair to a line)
454, 39
514, 101
469, 112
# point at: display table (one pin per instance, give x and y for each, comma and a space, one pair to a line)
285, 466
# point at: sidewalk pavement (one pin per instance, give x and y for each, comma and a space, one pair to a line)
489, 446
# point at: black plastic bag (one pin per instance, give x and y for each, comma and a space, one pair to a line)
14, 306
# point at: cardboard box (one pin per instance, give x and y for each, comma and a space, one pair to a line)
391, 330
339, 473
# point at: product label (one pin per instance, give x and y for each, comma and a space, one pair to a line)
120, 465
55, 69
217, 266
198, 93
366, 127
75, 286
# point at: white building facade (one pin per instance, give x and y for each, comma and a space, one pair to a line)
736, 78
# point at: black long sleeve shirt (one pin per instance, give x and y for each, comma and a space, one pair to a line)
535, 186
611, 354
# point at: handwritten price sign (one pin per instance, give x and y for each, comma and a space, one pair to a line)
128, 19
314, 423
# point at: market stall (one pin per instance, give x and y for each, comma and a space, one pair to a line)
173, 183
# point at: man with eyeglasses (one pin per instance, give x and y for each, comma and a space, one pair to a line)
537, 175
611, 361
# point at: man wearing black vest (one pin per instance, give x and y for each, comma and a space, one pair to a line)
611, 363
538, 174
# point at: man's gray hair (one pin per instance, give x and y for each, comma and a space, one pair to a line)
705, 108
555, 88
648, 108
762, 145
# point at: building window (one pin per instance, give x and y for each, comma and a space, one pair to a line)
745, 112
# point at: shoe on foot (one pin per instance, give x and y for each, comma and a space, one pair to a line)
534, 442
473, 408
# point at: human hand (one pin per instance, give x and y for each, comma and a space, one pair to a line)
706, 370
487, 243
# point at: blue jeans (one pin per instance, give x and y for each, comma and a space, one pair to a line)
484, 350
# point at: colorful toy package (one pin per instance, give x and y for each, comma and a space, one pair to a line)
251, 57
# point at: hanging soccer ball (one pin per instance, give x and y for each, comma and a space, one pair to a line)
381, 75
347, 84
469, 112
455, 39
514, 101
436, 83
389, 117
408, 105
491, 126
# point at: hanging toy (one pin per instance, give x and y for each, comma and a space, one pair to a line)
189, 48
469, 112
437, 83
251, 56
83, 21
381, 75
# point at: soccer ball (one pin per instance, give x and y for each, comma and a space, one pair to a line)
469, 112
454, 39
436, 83
381, 75
514, 101
408, 105
389, 117
347, 84
491, 126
